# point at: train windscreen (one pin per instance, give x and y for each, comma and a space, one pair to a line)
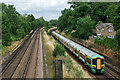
94, 62
102, 61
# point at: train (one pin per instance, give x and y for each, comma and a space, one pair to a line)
94, 61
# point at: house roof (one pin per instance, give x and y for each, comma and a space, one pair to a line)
107, 25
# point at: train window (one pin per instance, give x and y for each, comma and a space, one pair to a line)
88, 60
102, 61
75, 50
94, 61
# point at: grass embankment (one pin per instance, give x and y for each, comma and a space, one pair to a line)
6, 49
71, 69
49, 47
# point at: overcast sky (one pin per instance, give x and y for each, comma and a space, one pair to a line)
49, 9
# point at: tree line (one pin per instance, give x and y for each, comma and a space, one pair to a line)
15, 26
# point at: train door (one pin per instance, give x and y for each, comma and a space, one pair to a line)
98, 63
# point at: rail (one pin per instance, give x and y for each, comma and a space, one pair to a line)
14, 53
13, 57
27, 62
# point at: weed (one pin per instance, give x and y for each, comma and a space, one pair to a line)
78, 74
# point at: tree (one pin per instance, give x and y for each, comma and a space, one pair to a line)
116, 21
118, 36
41, 21
82, 10
84, 27
30, 17
110, 12
20, 32
53, 22
63, 20
15, 26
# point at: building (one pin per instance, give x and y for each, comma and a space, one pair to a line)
105, 30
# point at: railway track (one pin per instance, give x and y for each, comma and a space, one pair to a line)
10, 67
14, 54
109, 73
24, 62
31, 71
34, 65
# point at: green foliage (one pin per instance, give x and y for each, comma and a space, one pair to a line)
53, 22
15, 26
118, 36
6, 39
116, 19
63, 20
79, 74
59, 51
84, 28
30, 18
104, 12
68, 63
110, 43
39, 22
20, 32
98, 11
111, 12
47, 26
82, 10
99, 22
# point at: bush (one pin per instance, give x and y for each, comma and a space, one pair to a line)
110, 43
99, 22
59, 51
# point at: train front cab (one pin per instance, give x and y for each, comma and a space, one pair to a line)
97, 64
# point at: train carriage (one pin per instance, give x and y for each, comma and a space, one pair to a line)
95, 61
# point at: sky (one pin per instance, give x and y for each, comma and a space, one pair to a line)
49, 9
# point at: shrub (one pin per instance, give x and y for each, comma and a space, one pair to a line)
59, 51
99, 22
110, 43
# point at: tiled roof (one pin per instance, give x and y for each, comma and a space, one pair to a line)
104, 25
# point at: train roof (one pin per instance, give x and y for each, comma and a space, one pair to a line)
80, 48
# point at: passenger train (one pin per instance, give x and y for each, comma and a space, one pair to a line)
95, 62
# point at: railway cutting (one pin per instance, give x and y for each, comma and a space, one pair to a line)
108, 72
